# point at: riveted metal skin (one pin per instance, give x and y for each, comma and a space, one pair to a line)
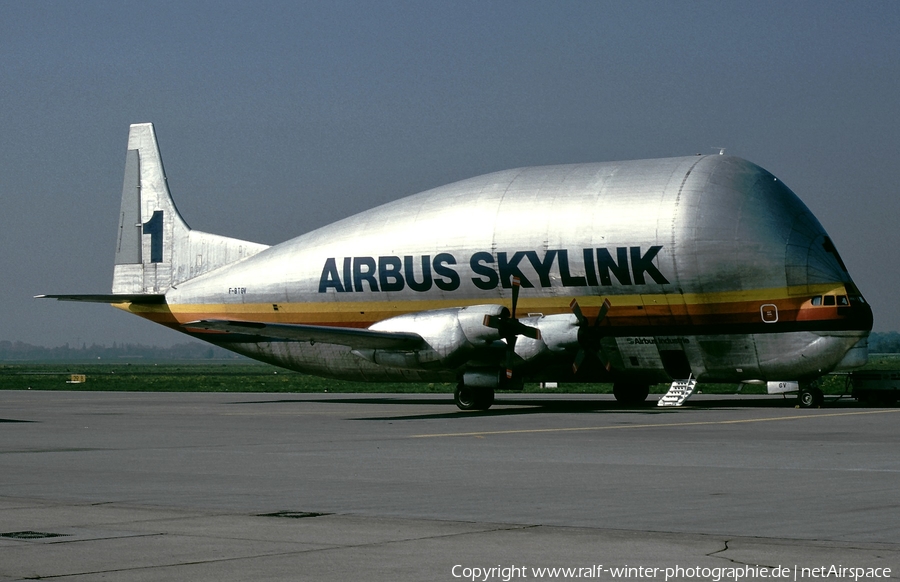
711, 265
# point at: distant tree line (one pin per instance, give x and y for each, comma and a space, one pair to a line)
20, 351
879, 343
884, 343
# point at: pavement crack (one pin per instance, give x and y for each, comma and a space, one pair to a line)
737, 562
724, 549
284, 553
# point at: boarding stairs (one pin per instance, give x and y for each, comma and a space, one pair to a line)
679, 391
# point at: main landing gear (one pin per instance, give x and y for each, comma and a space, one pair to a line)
630, 394
470, 398
480, 398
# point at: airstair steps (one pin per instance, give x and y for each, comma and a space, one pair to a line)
679, 391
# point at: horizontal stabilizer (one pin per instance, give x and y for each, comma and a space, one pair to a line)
355, 338
137, 298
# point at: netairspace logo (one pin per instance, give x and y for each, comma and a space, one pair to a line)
719, 574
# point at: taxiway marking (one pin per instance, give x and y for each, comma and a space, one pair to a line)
660, 425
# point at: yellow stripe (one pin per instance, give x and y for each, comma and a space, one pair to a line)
660, 425
556, 303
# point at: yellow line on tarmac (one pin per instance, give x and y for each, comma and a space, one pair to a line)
660, 425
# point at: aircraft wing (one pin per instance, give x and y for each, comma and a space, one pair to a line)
144, 298
344, 336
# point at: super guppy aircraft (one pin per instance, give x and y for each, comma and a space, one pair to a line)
701, 268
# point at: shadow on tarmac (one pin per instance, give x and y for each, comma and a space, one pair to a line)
527, 405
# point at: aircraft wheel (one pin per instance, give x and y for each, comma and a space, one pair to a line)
810, 397
467, 398
630, 394
484, 398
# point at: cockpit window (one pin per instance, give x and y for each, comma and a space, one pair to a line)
829, 300
842, 300
817, 300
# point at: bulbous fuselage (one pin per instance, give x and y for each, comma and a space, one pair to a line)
711, 265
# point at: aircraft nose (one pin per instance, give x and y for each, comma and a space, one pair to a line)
859, 312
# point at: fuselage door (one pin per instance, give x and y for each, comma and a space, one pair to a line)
675, 362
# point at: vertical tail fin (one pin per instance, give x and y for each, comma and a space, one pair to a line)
155, 248
149, 223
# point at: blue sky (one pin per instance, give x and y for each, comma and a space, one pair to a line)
275, 118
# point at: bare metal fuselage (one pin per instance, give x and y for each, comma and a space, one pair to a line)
712, 267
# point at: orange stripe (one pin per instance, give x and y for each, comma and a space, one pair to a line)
632, 310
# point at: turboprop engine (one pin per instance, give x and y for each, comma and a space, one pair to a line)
453, 336
559, 333
458, 337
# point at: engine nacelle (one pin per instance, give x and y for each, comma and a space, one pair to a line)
452, 336
558, 334
457, 334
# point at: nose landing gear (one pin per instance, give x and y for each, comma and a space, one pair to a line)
810, 396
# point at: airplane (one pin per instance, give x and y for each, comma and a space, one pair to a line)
702, 268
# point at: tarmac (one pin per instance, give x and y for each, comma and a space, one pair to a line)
225, 486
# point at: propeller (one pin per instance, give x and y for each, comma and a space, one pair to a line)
511, 328
584, 324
